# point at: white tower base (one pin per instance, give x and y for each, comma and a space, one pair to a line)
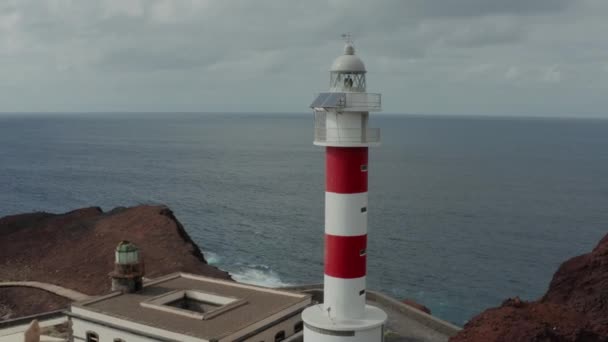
318, 327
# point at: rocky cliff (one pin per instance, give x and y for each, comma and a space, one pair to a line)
575, 308
76, 250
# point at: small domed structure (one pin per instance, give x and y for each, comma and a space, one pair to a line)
348, 62
128, 268
347, 73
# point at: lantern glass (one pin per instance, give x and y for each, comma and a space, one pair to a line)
128, 256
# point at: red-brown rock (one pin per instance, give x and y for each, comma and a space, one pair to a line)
76, 249
415, 305
582, 283
574, 309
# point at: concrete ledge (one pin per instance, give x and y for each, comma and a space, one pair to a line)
433, 323
52, 288
423, 318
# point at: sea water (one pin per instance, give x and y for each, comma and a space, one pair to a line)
463, 211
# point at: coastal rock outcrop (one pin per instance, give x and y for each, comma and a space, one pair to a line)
76, 249
574, 309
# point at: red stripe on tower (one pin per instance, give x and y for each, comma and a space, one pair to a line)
346, 169
345, 256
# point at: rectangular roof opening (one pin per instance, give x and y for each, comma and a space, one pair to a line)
193, 303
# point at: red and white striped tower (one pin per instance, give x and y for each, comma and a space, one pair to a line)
341, 125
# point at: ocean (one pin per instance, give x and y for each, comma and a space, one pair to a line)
463, 211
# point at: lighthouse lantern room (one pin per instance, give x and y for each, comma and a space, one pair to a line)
341, 126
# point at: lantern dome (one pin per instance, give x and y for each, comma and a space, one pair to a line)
348, 62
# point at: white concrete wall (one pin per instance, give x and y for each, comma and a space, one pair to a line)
287, 326
371, 335
343, 216
106, 334
80, 326
344, 297
345, 127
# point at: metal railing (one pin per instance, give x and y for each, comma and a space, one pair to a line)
347, 135
369, 102
349, 102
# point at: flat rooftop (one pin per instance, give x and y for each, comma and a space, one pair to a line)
198, 306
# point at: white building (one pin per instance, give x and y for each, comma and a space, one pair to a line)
187, 308
184, 307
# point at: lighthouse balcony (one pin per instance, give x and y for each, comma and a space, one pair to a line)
348, 102
347, 136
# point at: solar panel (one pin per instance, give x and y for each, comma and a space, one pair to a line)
319, 100
329, 100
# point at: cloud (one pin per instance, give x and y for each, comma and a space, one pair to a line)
491, 30
551, 74
129, 8
10, 41
475, 8
94, 55
513, 73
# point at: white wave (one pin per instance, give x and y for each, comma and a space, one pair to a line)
260, 275
212, 258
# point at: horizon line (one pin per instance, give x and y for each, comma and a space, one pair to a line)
523, 116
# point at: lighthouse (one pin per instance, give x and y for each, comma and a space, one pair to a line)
341, 126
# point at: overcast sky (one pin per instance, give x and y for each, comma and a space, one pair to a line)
482, 57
